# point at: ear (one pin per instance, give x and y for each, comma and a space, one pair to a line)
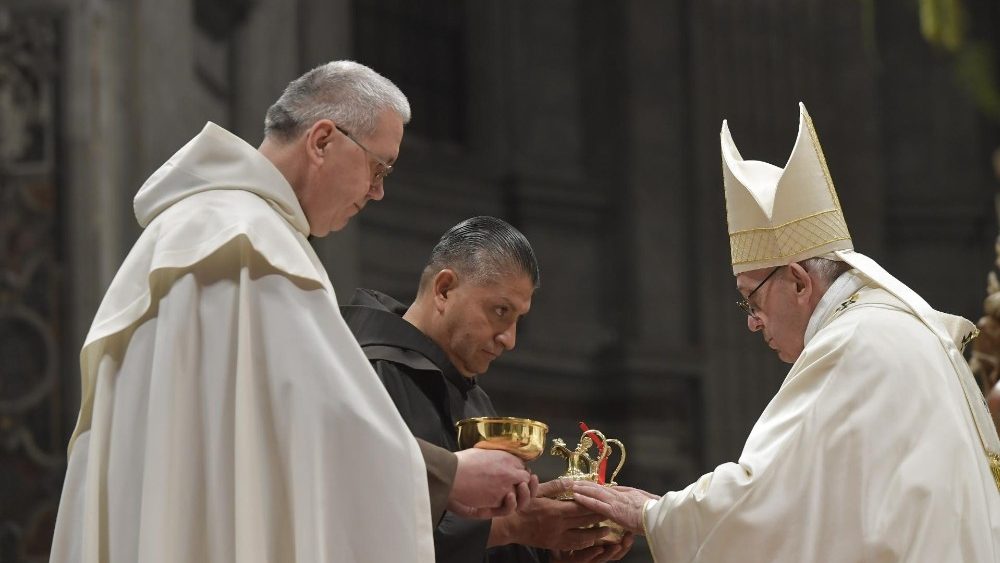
318, 140
443, 284
804, 284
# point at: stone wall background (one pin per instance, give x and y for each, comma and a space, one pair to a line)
592, 126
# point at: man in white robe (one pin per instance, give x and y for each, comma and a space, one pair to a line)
227, 412
877, 447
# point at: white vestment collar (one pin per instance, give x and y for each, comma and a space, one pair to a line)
840, 290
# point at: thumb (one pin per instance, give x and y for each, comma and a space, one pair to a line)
554, 488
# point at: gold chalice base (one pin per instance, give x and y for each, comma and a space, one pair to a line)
614, 535
522, 437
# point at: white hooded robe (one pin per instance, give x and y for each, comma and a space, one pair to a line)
227, 413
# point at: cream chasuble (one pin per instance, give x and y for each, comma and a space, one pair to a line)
227, 412
867, 453
878, 446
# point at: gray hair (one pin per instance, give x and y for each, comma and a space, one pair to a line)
348, 93
482, 248
826, 270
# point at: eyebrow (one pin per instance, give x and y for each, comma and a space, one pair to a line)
510, 304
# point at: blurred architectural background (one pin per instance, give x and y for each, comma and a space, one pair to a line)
590, 125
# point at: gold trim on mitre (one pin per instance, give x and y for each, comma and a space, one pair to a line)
781, 215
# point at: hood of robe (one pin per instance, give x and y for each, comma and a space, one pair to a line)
376, 319
216, 159
215, 191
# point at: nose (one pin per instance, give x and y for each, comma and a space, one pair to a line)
508, 338
754, 324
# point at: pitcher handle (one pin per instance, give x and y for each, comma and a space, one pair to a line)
621, 462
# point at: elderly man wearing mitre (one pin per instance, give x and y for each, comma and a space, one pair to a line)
877, 446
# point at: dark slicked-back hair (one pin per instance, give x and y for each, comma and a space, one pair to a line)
482, 249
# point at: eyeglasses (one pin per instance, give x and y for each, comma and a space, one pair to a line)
744, 302
384, 168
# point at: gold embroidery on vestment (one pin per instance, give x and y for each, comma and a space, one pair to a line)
850, 301
994, 466
968, 338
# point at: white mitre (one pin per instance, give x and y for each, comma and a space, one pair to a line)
781, 215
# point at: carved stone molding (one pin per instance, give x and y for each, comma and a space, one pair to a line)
31, 288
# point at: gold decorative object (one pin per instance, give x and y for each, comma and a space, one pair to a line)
522, 437
580, 466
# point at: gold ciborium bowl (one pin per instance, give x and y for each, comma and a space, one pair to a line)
522, 437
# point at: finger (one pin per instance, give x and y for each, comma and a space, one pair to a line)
590, 486
625, 488
508, 506
598, 506
593, 490
555, 488
533, 485
600, 493
612, 553
633, 490
624, 547
520, 476
523, 496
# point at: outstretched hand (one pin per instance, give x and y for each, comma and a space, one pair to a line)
595, 554
489, 484
549, 523
621, 504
